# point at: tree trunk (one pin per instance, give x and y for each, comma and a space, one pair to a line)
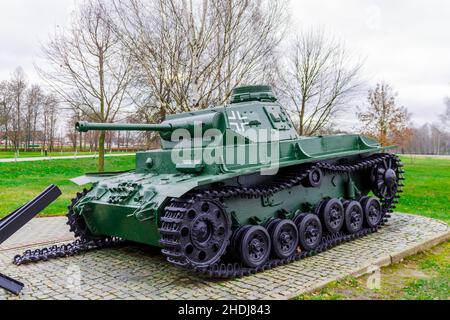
301, 129
6, 137
101, 152
101, 139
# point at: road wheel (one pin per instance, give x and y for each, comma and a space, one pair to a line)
310, 232
354, 217
284, 237
332, 215
372, 212
254, 246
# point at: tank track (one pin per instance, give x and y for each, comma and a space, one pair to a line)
66, 250
82, 244
171, 221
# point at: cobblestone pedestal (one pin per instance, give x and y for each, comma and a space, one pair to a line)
138, 272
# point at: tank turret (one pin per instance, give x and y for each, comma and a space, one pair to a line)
252, 108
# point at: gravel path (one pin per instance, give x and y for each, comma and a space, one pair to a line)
62, 158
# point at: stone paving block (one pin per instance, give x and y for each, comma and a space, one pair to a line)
134, 273
49, 228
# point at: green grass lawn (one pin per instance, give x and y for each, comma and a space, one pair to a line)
427, 188
427, 193
425, 276
22, 181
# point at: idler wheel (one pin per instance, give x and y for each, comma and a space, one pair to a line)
309, 232
284, 237
77, 223
384, 179
332, 215
204, 233
372, 211
254, 246
354, 217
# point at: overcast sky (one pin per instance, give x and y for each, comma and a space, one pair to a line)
406, 43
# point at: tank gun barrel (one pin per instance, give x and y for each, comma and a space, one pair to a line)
84, 126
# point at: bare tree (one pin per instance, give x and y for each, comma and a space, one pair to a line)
418, 140
49, 119
445, 121
34, 101
89, 70
5, 111
382, 118
445, 117
191, 54
74, 136
17, 91
429, 139
319, 79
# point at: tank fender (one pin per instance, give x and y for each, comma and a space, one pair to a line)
94, 177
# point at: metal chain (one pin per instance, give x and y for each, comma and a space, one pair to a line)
65, 250
82, 243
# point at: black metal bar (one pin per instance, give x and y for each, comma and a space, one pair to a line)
17, 219
10, 284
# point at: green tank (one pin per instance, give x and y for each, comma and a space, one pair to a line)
234, 190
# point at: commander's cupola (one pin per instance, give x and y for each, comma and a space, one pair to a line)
253, 93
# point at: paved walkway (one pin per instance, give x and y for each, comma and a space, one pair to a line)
135, 272
432, 156
39, 231
64, 157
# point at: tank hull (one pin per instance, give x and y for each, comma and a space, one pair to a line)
129, 205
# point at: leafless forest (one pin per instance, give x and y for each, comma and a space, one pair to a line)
139, 60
